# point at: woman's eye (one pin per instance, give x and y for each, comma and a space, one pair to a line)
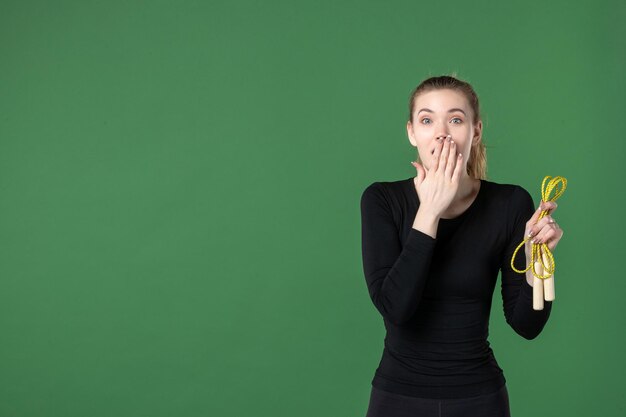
455, 118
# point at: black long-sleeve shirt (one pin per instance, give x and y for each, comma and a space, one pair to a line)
435, 294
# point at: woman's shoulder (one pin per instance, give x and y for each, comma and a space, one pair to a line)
514, 198
506, 190
392, 192
390, 186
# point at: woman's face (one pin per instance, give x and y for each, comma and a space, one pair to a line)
439, 113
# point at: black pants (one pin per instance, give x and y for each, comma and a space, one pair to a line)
388, 404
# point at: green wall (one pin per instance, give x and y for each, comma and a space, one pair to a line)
180, 184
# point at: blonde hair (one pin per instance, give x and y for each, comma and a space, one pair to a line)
477, 163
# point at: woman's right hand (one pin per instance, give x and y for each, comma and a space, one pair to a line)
437, 186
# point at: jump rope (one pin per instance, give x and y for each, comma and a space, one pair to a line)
542, 261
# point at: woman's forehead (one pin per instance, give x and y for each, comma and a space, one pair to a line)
443, 99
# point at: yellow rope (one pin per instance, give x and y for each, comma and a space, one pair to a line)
542, 248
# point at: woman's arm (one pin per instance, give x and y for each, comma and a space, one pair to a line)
517, 292
395, 273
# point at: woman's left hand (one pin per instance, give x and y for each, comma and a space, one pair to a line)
546, 230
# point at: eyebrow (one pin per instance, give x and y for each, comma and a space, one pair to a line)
449, 111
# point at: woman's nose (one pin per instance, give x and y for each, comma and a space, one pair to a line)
442, 136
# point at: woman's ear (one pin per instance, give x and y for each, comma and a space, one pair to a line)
409, 132
478, 132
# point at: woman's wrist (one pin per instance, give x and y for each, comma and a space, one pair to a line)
426, 222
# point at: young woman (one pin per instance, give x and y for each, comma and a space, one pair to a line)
432, 248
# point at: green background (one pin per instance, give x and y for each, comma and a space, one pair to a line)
180, 185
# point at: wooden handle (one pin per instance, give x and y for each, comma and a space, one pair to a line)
538, 287
548, 283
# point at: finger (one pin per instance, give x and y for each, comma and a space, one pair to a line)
444, 156
458, 167
451, 160
545, 221
549, 206
436, 155
533, 219
548, 231
420, 171
554, 240
545, 235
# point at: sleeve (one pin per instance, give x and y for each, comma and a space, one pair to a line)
395, 273
517, 293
